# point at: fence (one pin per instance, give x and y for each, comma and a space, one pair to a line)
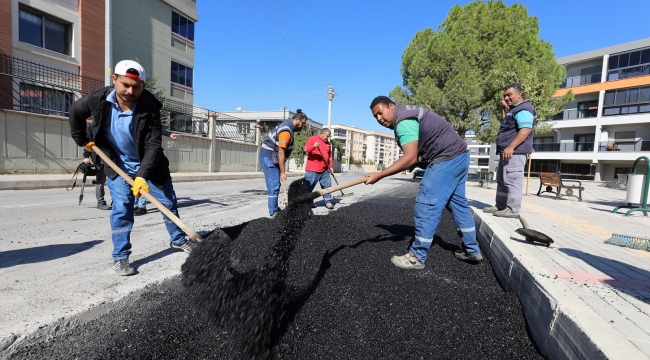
32, 87
181, 117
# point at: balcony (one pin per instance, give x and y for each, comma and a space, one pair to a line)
628, 72
581, 80
564, 147
570, 114
640, 145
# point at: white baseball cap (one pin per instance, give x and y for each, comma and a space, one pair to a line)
137, 72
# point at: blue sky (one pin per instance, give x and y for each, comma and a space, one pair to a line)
242, 60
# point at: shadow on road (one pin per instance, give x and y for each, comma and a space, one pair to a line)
43, 253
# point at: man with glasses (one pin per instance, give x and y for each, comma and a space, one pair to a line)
274, 152
319, 163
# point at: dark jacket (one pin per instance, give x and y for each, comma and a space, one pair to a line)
147, 132
438, 141
509, 129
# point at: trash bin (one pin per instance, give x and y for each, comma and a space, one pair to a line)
635, 187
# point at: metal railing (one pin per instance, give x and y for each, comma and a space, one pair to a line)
36, 88
564, 147
628, 72
569, 114
639, 145
187, 118
581, 80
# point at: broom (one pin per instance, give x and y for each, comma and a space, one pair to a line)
633, 242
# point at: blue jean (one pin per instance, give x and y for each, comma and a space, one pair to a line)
122, 214
443, 186
313, 178
141, 202
272, 178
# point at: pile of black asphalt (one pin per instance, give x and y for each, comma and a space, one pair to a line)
342, 299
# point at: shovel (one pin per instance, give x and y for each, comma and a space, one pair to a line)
194, 236
329, 190
331, 172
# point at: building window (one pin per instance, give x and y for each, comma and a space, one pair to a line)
485, 151
44, 31
483, 162
630, 64
182, 75
627, 101
40, 100
182, 26
340, 132
587, 109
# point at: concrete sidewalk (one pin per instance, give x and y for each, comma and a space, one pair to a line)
582, 298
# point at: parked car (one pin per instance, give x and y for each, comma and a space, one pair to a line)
418, 173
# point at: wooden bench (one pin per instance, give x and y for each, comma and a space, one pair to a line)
554, 180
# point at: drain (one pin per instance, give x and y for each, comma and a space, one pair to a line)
255, 192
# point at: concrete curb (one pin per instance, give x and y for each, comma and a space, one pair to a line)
562, 325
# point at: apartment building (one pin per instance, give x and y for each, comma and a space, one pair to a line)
49, 51
482, 155
607, 126
52, 52
364, 145
161, 33
267, 119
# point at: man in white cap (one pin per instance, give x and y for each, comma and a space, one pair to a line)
126, 126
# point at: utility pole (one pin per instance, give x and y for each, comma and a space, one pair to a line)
330, 96
284, 112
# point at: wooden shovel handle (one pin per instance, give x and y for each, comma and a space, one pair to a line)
342, 186
194, 236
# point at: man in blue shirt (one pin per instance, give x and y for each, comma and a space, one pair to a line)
126, 126
514, 144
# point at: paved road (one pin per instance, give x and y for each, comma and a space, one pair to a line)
344, 297
55, 260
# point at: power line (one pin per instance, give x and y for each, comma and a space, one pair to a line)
296, 43
303, 41
282, 35
267, 34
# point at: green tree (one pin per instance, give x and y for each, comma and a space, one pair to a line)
157, 90
338, 148
460, 70
298, 155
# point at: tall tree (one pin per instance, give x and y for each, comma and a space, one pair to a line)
298, 155
157, 90
460, 70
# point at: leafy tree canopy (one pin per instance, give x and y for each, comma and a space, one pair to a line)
460, 70
299, 141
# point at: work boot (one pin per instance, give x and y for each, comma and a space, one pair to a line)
465, 256
407, 261
102, 205
491, 210
187, 246
123, 268
137, 211
506, 213
329, 205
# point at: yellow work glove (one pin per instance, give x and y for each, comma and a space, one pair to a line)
89, 146
139, 184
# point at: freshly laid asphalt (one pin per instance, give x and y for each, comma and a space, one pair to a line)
344, 300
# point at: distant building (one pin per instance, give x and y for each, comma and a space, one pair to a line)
607, 126
268, 119
364, 145
482, 155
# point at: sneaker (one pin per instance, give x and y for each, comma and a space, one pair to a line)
329, 205
102, 205
123, 268
187, 246
137, 211
276, 213
506, 213
465, 256
312, 205
491, 210
407, 261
